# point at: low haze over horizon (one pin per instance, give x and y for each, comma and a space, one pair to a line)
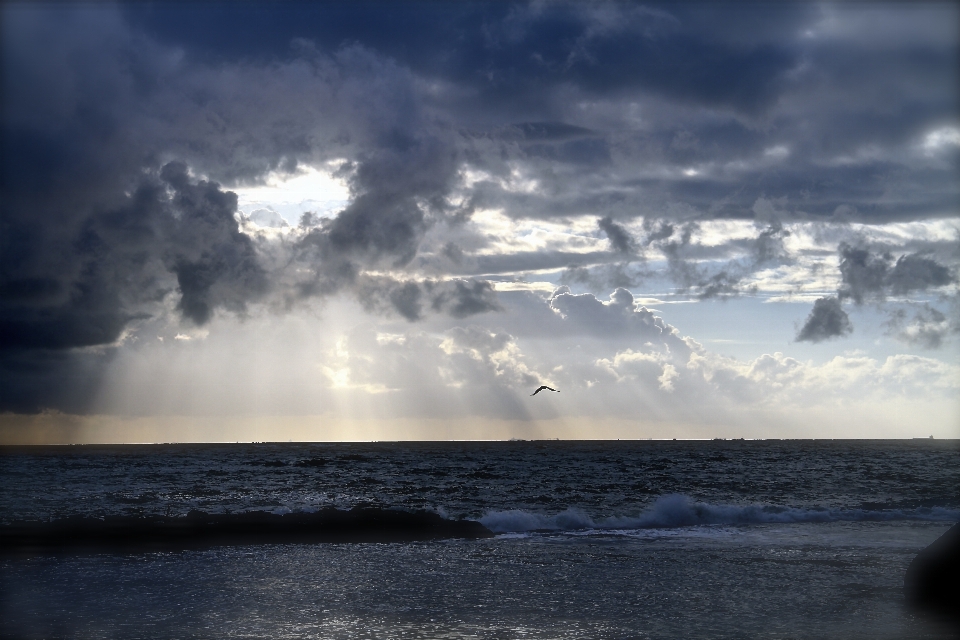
388, 221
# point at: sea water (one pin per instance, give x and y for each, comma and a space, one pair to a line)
631, 539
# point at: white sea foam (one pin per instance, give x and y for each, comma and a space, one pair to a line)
673, 511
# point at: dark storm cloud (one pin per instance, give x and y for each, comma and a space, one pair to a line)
841, 157
873, 276
543, 132
385, 295
510, 65
399, 190
124, 129
123, 258
917, 273
619, 275
215, 264
717, 271
619, 238
691, 276
457, 298
826, 320
453, 252
927, 328
720, 285
768, 247
89, 237
513, 54
463, 298
710, 88
394, 188
656, 230
87, 117
863, 273
869, 276
173, 234
605, 49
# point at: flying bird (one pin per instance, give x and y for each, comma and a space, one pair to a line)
541, 388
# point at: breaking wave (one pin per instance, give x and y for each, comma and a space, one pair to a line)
200, 529
673, 511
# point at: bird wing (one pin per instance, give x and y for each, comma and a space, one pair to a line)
541, 388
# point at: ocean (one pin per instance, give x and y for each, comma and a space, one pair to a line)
602, 539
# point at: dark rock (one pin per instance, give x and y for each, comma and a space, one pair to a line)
932, 582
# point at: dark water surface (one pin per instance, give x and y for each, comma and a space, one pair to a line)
718, 539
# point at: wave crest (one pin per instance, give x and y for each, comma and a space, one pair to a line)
672, 511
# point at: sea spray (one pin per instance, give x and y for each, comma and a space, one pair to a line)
677, 510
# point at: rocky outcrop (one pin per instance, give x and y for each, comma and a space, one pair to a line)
932, 582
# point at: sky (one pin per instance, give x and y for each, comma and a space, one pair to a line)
272, 221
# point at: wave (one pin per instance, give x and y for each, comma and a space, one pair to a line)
200, 529
673, 511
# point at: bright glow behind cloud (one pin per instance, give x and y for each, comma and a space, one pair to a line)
309, 189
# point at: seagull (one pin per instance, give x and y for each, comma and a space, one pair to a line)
541, 388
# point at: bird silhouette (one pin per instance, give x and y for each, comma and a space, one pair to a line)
541, 388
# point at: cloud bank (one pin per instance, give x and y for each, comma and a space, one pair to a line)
683, 153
